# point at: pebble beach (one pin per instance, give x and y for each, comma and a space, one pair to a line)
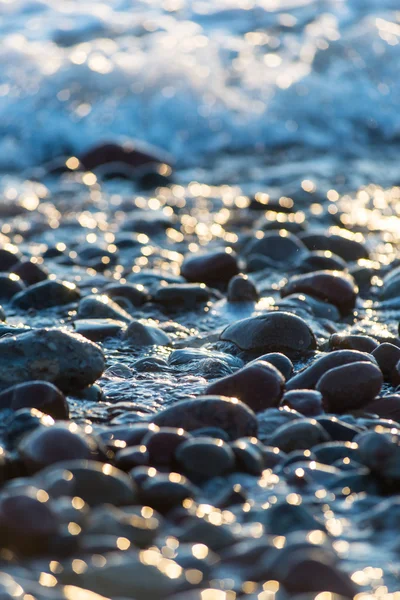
199, 300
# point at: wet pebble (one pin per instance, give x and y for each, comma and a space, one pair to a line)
363, 343
387, 407
350, 386
162, 444
214, 268
30, 272
136, 295
9, 256
249, 457
347, 248
98, 330
331, 286
184, 296
321, 260
205, 457
139, 334
36, 394
47, 294
274, 332
165, 491
101, 307
259, 385
338, 429
387, 356
10, 285
307, 402
242, 289
131, 457
233, 416
280, 361
280, 246
68, 360
301, 434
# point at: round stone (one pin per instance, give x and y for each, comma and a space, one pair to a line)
242, 289
205, 457
280, 361
139, 334
249, 458
47, 294
350, 386
280, 246
301, 434
363, 343
165, 491
162, 444
36, 394
259, 385
10, 285
212, 268
276, 331
306, 402
387, 356
348, 249
30, 272
233, 416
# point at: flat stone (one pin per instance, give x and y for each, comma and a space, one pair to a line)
47, 294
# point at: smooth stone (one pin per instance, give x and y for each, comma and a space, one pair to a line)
326, 475
335, 287
259, 385
348, 249
132, 456
68, 360
350, 386
27, 521
138, 334
162, 444
308, 377
274, 332
278, 360
22, 421
165, 491
387, 356
10, 285
36, 394
321, 260
214, 432
283, 518
387, 407
380, 452
242, 289
46, 446
273, 456
213, 268
101, 307
95, 482
205, 457
248, 457
183, 296
296, 456
281, 246
130, 153
331, 452
150, 364
2, 314
301, 434
338, 429
363, 343
321, 308
137, 295
9, 256
200, 531
47, 294
310, 574
269, 420
233, 416
131, 435
30, 272
97, 330
128, 522
306, 402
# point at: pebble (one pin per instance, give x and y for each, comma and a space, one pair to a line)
380, 452
307, 402
280, 246
280, 361
30, 272
136, 295
330, 452
387, 356
101, 307
2, 314
348, 249
249, 457
36, 394
284, 518
182, 296
9, 256
139, 334
20, 422
387, 407
338, 429
162, 444
233, 416
335, 287
301, 434
242, 289
205, 457
47, 294
10, 285
213, 268
98, 330
363, 343
350, 386
273, 332
259, 385
95, 482
128, 153
165, 491
131, 457
308, 377
68, 360
321, 260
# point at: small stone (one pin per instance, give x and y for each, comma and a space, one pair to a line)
68, 360
212, 268
335, 287
9, 256
280, 246
274, 332
259, 385
310, 575
234, 417
321, 260
363, 343
301, 434
280, 361
131, 457
387, 407
36, 394
139, 334
183, 296
249, 457
22, 421
10, 285
308, 377
101, 307
150, 364
27, 521
306, 402
330, 452
137, 295
205, 457
284, 518
338, 429
95, 482
242, 289
98, 330
348, 249
47, 294
387, 356
162, 444
30, 272
165, 491
350, 386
